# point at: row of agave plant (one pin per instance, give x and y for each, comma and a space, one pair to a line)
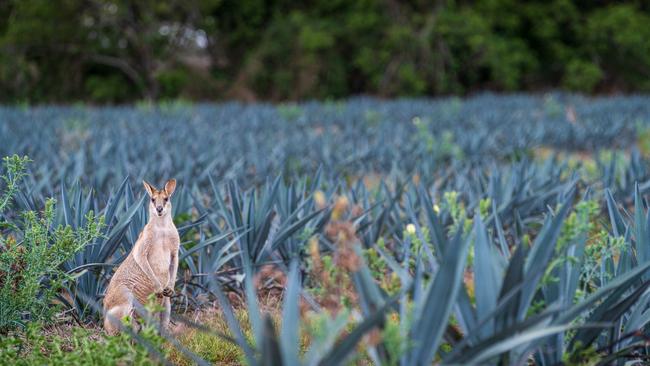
249, 143
469, 285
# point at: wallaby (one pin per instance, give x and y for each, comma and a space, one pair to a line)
151, 266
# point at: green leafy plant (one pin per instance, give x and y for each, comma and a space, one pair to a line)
31, 257
81, 347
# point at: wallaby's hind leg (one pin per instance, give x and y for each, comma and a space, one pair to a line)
121, 306
164, 317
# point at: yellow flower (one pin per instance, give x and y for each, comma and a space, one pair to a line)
340, 206
394, 317
313, 248
319, 198
410, 228
436, 208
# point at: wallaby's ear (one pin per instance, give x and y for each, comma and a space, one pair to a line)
150, 189
170, 186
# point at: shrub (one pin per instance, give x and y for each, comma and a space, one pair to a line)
172, 82
107, 89
582, 76
31, 253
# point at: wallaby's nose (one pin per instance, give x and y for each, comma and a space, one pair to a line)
159, 209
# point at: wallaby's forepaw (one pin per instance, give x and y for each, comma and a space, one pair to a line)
168, 291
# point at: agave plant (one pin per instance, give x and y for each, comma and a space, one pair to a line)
124, 216
266, 219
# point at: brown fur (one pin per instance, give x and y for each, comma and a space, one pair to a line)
151, 266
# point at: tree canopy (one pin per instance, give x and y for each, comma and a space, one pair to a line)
119, 50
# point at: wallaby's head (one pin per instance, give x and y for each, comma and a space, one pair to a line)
159, 203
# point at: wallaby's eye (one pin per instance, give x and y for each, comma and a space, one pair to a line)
153, 200
166, 199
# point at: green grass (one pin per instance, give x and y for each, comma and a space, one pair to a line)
73, 345
210, 347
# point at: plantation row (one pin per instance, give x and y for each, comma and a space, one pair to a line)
250, 143
411, 232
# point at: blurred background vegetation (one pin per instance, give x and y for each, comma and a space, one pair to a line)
122, 50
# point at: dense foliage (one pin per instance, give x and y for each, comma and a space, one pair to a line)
488, 230
32, 251
117, 50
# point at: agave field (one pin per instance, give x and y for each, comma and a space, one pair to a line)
504, 230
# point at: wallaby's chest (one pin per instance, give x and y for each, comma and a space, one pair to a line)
164, 242
165, 239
